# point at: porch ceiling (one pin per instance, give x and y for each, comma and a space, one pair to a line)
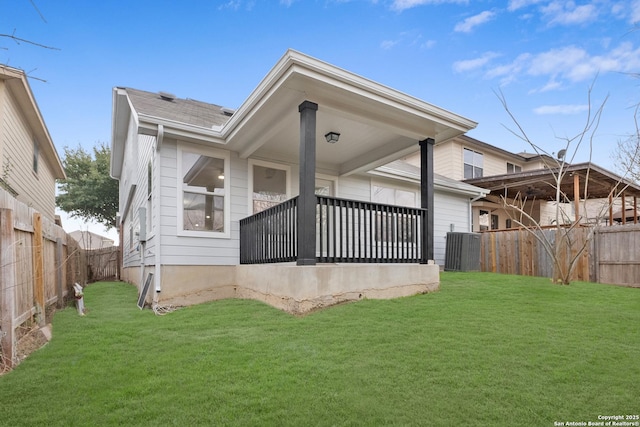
376, 124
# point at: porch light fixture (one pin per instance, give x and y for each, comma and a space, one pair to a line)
332, 137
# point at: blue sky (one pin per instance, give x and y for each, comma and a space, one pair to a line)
543, 56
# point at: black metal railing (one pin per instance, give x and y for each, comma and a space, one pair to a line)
270, 235
354, 231
347, 231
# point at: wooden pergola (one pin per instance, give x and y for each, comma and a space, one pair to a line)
580, 182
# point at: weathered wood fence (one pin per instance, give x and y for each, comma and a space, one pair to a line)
39, 263
612, 256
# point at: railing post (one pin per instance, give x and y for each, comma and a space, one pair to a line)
426, 193
307, 197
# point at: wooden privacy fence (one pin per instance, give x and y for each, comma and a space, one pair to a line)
612, 256
102, 263
39, 263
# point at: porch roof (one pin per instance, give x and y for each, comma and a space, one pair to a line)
540, 184
377, 124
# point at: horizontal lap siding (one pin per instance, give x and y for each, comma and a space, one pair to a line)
449, 209
188, 250
35, 190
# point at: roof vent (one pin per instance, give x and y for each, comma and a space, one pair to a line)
227, 111
167, 96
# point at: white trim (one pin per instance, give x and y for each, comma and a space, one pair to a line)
266, 164
211, 152
395, 186
331, 178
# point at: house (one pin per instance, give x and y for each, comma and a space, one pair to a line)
589, 192
89, 240
292, 199
530, 176
30, 163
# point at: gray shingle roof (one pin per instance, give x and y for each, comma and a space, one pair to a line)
188, 111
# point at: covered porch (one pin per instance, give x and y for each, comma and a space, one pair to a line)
330, 122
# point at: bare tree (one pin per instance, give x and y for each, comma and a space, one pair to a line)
562, 245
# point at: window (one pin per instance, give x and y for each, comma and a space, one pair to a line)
473, 164
494, 222
483, 220
509, 224
394, 227
270, 183
511, 168
203, 190
36, 154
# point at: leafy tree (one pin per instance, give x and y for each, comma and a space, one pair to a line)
89, 192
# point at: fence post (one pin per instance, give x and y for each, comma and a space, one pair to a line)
59, 266
7, 288
38, 269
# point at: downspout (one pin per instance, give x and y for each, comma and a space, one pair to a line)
156, 210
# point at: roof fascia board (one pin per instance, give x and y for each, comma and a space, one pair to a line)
121, 111
371, 89
148, 125
438, 183
295, 62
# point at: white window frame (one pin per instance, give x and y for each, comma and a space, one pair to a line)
210, 152
473, 165
333, 179
265, 164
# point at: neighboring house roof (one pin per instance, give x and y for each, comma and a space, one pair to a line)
16, 81
540, 183
402, 170
88, 240
377, 124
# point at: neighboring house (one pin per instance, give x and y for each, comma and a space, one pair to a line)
590, 194
88, 240
214, 203
30, 164
505, 174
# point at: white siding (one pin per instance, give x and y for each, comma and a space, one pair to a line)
451, 211
188, 250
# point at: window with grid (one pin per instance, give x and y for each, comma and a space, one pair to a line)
473, 164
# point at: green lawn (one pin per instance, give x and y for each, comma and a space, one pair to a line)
486, 350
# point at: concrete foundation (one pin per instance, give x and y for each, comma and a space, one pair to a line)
294, 289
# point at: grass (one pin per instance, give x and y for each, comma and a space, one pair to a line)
485, 350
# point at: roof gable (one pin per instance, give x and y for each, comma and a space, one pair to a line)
16, 81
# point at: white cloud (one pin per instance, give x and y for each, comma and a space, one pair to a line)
567, 64
410, 38
635, 12
388, 44
470, 23
509, 72
428, 44
567, 13
473, 64
561, 109
519, 4
400, 5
